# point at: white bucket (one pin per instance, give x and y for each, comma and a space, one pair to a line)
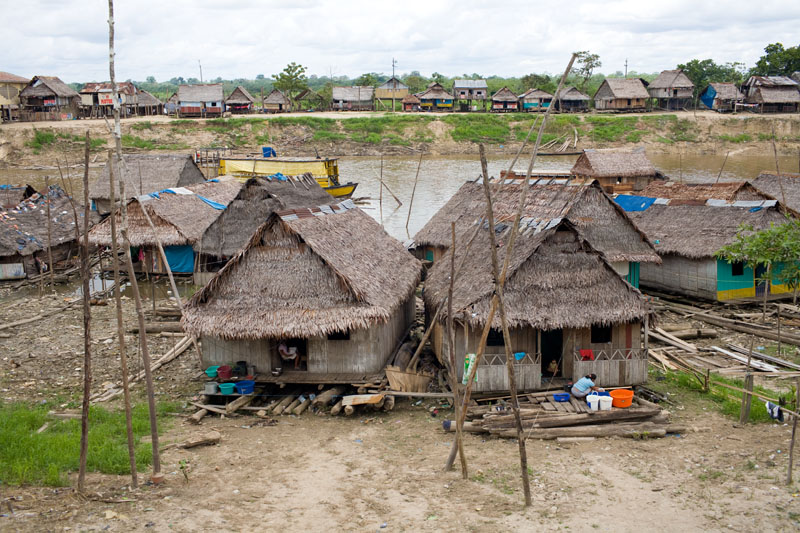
605, 403
594, 401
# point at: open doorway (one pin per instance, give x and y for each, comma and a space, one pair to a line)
551, 348
291, 355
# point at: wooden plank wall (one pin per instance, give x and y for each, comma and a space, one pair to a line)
218, 351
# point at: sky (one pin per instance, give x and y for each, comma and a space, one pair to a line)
244, 38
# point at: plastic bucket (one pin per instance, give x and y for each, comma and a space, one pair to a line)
224, 372
561, 397
212, 371
622, 397
594, 402
211, 387
245, 386
226, 388
605, 403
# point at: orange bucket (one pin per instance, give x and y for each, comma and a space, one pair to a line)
621, 397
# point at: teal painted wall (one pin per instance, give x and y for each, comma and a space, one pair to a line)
633, 274
726, 281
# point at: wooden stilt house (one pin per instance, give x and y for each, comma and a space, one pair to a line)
535, 100
143, 174
201, 100
356, 98
435, 98
672, 90
504, 101
784, 187
617, 171
10, 87
621, 94
48, 98
564, 303
148, 105
411, 103
471, 95
722, 97
240, 101
326, 281
772, 94
571, 100
277, 102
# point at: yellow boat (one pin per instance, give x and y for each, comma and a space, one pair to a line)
324, 170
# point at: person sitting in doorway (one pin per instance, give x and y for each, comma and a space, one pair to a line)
585, 385
552, 368
289, 353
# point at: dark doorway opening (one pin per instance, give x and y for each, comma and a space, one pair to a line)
551, 348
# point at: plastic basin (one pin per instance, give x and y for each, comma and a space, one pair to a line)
561, 397
212, 371
245, 386
622, 397
224, 372
594, 402
226, 388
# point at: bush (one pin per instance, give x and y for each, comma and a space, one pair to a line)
740, 138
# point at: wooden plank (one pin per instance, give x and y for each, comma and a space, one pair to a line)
362, 399
547, 406
754, 363
765, 357
558, 405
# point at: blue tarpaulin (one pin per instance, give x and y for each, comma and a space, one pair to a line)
708, 97
634, 203
212, 203
278, 176
180, 258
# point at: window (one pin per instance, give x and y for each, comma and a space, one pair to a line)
495, 338
339, 336
601, 334
737, 268
629, 101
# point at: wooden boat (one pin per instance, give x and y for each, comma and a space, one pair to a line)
324, 170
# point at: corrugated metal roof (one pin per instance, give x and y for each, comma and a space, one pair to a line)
470, 84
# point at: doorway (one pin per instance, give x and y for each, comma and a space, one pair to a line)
551, 348
761, 283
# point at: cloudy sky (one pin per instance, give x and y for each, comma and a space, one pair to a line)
243, 38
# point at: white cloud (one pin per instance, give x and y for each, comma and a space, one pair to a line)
243, 38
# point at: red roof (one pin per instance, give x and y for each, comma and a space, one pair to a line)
7, 77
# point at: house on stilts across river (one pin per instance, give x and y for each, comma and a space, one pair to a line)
617, 171
327, 281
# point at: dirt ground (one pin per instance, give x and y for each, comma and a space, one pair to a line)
376, 469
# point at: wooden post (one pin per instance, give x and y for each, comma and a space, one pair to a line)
380, 193
413, 189
87, 319
49, 235
794, 431
451, 349
123, 352
779, 329
747, 398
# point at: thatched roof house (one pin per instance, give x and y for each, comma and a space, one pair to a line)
699, 193
277, 102
773, 94
784, 187
23, 233
411, 103
149, 104
535, 100
570, 99
561, 296
356, 98
504, 100
240, 101
621, 94
721, 97
10, 87
687, 237
617, 171
435, 98
202, 100
328, 281
143, 174
48, 98
672, 89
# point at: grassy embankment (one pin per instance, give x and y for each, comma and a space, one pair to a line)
28, 457
47, 138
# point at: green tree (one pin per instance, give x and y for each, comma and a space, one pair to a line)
151, 79
439, 78
367, 80
292, 80
705, 71
778, 61
586, 63
260, 77
416, 83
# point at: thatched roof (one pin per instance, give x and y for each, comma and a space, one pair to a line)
306, 273
256, 201
625, 88
179, 219
784, 188
208, 92
277, 97
23, 229
240, 96
7, 77
671, 79
770, 81
555, 280
571, 93
782, 94
44, 86
145, 99
504, 95
535, 94
700, 231
601, 221
727, 91
353, 94
146, 173
435, 91
700, 192
613, 164
411, 99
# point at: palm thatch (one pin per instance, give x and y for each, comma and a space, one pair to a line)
571, 93
784, 187
535, 94
23, 228
305, 273
701, 192
435, 91
411, 99
45, 86
671, 79
208, 92
700, 231
599, 220
555, 280
277, 97
146, 173
357, 93
504, 95
146, 99
727, 91
613, 164
179, 218
239, 96
623, 88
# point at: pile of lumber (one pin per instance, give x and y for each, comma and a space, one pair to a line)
544, 418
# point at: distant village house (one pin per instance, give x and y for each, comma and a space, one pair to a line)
202, 100
11, 86
672, 90
621, 94
240, 101
357, 98
48, 98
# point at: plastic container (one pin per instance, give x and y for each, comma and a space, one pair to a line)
224, 372
211, 387
212, 371
245, 386
605, 403
622, 398
561, 397
226, 388
594, 402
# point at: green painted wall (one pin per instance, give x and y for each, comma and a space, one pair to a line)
633, 274
726, 281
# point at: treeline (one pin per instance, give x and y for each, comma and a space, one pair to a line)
777, 60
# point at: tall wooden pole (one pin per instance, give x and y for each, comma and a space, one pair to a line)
451, 349
49, 235
413, 191
123, 353
87, 318
794, 431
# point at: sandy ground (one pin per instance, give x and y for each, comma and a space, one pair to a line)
356, 474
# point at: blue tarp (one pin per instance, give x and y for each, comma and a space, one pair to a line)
708, 97
180, 258
212, 203
278, 176
634, 203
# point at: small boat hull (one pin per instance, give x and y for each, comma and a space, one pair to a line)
343, 191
